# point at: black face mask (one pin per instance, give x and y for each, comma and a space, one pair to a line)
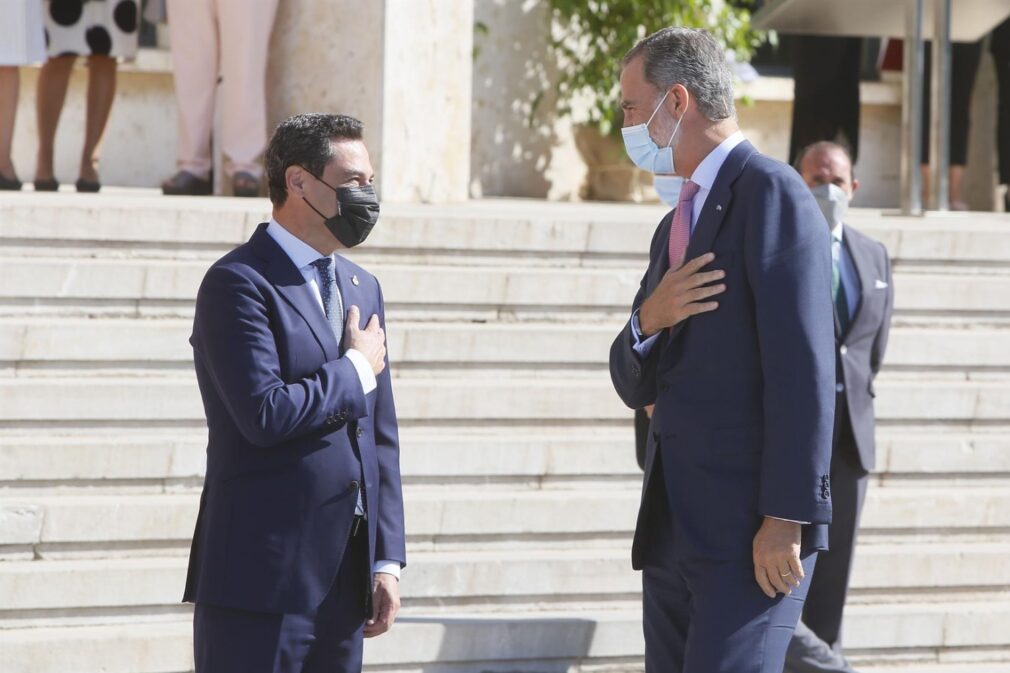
357, 213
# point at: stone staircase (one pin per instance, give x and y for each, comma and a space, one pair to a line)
518, 459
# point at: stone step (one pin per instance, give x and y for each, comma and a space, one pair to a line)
523, 642
528, 456
557, 290
490, 580
446, 514
488, 226
175, 399
145, 343
919, 667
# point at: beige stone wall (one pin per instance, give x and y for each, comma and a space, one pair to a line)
518, 148
139, 148
979, 186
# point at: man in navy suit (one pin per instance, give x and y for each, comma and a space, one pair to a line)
863, 295
735, 347
299, 540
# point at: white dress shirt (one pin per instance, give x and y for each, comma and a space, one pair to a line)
302, 255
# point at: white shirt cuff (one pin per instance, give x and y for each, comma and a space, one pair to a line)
388, 567
643, 348
365, 373
778, 518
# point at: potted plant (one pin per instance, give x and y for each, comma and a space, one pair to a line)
589, 39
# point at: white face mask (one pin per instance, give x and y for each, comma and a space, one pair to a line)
833, 201
668, 188
644, 151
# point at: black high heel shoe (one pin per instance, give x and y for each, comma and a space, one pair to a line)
88, 186
9, 184
49, 185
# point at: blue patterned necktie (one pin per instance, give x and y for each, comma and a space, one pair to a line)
333, 306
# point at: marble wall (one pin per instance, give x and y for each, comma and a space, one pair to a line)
451, 112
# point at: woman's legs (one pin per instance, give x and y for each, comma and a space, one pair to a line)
101, 92
9, 81
52, 91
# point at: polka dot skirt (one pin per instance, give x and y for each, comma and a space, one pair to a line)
86, 27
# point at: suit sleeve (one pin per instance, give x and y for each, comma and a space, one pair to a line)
634, 376
234, 343
880, 340
390, 541
788, 263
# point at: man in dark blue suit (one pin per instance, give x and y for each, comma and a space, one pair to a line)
300, 540
735, 347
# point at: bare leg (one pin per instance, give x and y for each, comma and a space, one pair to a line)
53, 79
956, 202
9, 81
101, 92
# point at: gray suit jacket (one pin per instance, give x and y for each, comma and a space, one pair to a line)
861, 348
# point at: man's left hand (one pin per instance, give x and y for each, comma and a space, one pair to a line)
777, 566
385, 605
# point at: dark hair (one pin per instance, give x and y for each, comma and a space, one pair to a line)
305, 140
825, 145
691, 57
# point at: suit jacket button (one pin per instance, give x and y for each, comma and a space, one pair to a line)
361, 433
840, 388
843, 350
636, 371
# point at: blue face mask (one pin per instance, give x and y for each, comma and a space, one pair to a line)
644, 151
668, 188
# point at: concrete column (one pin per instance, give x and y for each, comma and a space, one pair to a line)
401, 66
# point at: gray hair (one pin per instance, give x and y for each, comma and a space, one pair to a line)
694, 59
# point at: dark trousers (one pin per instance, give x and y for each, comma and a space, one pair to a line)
828, 591
327, 641
999, 45
711, 616
826, 92
964, 60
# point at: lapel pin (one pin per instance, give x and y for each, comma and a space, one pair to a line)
354, 280
719, 208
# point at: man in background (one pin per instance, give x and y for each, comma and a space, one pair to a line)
227, 40
863, 296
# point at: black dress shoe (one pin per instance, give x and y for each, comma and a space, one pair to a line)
185, 183
9, 184
244, 184
88, 186
49, 185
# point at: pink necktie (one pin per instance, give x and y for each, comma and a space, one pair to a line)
680, 230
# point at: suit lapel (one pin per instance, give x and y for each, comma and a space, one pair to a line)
864, 271
715, 208
290, 284
718, 200
661, 265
